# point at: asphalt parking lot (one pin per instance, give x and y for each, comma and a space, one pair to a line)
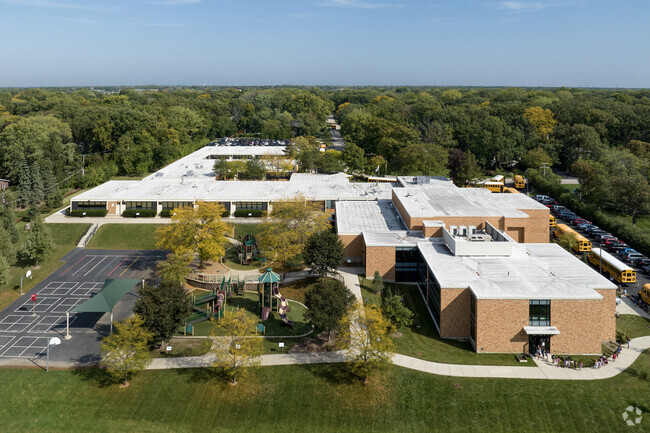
26, 326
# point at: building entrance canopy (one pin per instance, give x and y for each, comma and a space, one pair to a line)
541, 330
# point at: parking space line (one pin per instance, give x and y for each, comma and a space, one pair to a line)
107, 264
91, 269
117, 266
136, 259
89, 262
73, 265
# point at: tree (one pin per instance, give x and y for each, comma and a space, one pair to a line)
633, 195
292, 223
38, 193
255, 169
377, 166
197, 231
323, 253
237, 351
327, 302
38, 243
222, 169
365, 333
174, 268
568, 241
4, 271
451, 95
7, 249
543, 121
353, 157
7, 217
330, 162
24, 184
595, 181
305, 150
377, 283
422, 159
163, 308
127, 349
534, 158
393, 309
468, 170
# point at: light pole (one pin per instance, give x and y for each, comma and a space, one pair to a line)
54, 341
28, 275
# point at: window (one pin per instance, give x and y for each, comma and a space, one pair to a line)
140, 205
176, 204
329, 204
91, 205
539, 313
250, 205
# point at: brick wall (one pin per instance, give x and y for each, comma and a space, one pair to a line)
353, 245
380, 259
583, 324
500, 325
455, 313
112, 207
400, 208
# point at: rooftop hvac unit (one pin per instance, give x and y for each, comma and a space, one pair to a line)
189, 173
160, 174
479, 237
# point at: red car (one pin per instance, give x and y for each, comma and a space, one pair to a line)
577, 221
606, 242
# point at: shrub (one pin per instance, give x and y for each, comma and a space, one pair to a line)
142, 213
88, 212
245, 213
225, 214
621, 337
293, 262
166, 213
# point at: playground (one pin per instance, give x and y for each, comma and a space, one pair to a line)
277, 316
245, 255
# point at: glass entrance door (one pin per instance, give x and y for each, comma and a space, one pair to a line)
543, 341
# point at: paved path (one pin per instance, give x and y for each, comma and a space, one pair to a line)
627, 307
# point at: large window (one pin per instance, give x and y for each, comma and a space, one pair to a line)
91, 205
250, 205
140, 205
407, 260
176, 204
539, 313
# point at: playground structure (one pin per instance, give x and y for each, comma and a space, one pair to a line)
248, 250
210, 305
270, 297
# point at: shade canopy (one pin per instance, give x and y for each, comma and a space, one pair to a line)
108, 296
541, 330
269, 277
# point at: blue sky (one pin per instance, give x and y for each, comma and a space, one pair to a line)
589, 43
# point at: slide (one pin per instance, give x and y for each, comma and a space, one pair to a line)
282, 309
266, 311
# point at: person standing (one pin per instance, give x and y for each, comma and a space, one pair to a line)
628, 342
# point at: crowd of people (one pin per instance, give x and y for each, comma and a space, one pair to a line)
568, 362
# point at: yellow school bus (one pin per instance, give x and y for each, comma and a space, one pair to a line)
621, 272
582, 243
552, 221
520, 183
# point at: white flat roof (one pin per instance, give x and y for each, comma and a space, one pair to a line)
533, 271
401, 238
426, 201
320, 187
432, 181
201, 164
355, 217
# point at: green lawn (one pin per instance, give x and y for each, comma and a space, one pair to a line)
182, 347
243, 229
65, 236
318, 398
125, 237
633, 325
231, 260
422, 340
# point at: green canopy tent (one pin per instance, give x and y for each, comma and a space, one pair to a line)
104, 301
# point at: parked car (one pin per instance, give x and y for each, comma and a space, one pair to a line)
583, 226
626, 251
540, 197
646, 269
642, 262
630, 257
591, 228
602, 236
568, 215
557, 208
579, 220
609, 242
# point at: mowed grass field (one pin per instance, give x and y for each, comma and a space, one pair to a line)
125, 237
65, 237
318, 398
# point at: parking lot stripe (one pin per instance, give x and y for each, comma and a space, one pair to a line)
86, 264
91, 269
136, 259
117, 267
73, 265
107, 264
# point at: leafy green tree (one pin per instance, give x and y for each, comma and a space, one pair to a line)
327, 302
543, 121
7, 218
126, 351
353, 157
422, 159
306, 151
330, 162
451, 95
365, 334
7, 249
377, 166
175, 268
38, 243
255, 169
468, 170
393, 308
633, 195
534, 158
595, 183
222, 169
163, 308
568, 241
377, 283
323, 253
236, 349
